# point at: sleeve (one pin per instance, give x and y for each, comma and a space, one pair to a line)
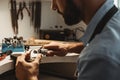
98, 69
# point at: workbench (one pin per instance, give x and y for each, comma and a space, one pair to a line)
67, 63
48, 65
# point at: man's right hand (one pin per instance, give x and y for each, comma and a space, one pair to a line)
27, 70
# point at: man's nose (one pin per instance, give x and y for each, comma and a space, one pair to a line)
53, 6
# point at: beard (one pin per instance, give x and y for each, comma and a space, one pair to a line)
72, 15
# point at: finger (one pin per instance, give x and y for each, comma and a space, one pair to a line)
27, 55
38, 58
17, 69
20, 59
51, 47
50, 53
58, 53
29, 51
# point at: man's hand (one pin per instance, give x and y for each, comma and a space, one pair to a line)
62, 48
56, 48
27, 70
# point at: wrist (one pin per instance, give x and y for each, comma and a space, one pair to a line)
74, 47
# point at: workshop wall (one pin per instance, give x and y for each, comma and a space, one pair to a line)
49, 20
5, 23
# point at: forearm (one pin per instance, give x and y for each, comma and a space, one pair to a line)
76, 47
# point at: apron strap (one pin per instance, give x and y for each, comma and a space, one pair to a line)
103, 22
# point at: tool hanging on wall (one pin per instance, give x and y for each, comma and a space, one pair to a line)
37, 22
35, 14
22, 6
33, 9
14, 16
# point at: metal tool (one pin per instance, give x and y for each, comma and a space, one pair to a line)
15, 44
14, 16
34, 53
22, 6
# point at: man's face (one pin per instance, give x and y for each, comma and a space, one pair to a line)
68, 10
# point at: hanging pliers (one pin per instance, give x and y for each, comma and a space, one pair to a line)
22, 6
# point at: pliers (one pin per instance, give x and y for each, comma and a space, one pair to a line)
22, 6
